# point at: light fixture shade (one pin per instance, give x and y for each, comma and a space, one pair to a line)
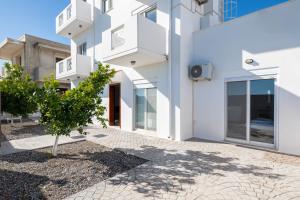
249, 61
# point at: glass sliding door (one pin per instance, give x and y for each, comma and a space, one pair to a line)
151, 109
140, 101
262, 111
237, 110
145, 108
250, 111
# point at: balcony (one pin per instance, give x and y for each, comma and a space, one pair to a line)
138, 42
73, 68
74, 19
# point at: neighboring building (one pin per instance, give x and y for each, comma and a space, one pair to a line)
254, 94
38, 56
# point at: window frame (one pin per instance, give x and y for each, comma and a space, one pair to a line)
148, 10
248, 81
104, 9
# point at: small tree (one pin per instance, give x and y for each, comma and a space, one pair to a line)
17, 91
62, 113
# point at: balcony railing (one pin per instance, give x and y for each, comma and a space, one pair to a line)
74, 19
72, 68
138, 42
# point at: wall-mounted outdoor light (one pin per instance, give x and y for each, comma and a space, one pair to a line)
249, 61
133, 62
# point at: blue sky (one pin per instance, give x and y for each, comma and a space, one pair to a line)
248, 6
37, 17
34, 17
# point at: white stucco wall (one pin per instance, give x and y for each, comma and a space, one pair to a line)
158, 73
149, 74
271, 38
185, 20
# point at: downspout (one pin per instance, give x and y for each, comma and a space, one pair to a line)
94, 39
171, 135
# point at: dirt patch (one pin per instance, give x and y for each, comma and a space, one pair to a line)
37, 175
21, 130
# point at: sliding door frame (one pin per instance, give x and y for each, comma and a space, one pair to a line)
145, 86
248, 80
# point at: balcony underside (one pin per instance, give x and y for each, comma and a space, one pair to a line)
138, 56
73, 28
8, 47
71, 76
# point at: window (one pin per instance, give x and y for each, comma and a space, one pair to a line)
117, 37
145, 108
106, 5
151, 14
82, 49
250, 111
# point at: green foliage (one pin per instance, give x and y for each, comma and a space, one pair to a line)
62, 113
17, 91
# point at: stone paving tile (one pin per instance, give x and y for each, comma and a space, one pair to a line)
195, 170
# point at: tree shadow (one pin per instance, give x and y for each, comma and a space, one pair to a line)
67, 173
169, 169
34, 156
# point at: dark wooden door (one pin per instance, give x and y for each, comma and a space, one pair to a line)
115, 105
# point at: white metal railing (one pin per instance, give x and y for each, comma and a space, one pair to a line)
69, 64
64, 65
61, 19
65, 15
117, 37
61, 67
69, 11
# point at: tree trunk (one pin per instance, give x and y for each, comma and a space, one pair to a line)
54, 149
0, 128
0, 117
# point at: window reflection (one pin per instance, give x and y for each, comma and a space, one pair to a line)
262, 111
237, 110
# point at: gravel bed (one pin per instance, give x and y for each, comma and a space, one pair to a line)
37, 175
21, 130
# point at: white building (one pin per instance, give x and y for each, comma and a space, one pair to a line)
252, 98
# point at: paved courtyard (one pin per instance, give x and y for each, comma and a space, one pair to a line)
184, 170
195, 170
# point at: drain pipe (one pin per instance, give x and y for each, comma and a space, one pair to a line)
171, 134
94, 37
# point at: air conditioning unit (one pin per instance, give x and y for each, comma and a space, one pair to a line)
201, 72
